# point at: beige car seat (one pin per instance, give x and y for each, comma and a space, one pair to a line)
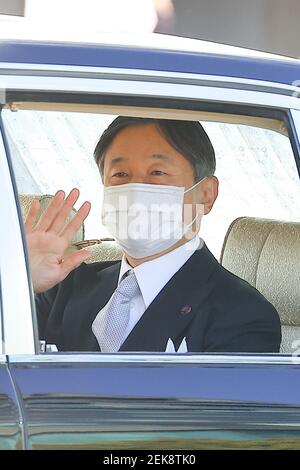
266, 253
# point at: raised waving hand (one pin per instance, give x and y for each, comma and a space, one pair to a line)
48, 239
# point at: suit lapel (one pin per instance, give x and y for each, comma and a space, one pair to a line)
168, 316
172, 311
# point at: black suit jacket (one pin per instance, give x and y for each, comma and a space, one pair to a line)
203, 302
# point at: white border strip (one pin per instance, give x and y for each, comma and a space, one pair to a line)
133, 88
150, 358
17, 316
108, 72
296, 118
3, 359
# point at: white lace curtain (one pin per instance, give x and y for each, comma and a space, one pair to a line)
256, 167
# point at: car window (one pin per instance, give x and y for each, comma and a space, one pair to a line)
54, 150
256, 168
258, 178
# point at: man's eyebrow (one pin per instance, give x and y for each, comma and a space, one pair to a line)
117, 160
157, 156
160, 156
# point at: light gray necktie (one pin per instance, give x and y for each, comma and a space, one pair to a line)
110, 324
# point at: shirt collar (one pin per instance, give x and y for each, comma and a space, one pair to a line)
153, 275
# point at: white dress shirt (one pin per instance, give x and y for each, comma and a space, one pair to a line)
153, 275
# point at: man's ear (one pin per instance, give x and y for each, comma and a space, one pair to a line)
209, 193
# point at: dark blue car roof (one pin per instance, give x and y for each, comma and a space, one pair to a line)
95, 55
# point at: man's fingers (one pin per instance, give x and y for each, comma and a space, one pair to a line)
75, 224
73, 260
60, 220
51, 211
32, 214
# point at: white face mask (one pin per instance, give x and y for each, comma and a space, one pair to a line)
146, 219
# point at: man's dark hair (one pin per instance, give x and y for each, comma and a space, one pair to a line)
187, 137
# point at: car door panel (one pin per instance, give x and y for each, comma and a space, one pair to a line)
71, 401
74, 404
10, 418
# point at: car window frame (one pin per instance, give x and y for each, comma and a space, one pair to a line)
14, 267
1, 320
295, 130
233, 99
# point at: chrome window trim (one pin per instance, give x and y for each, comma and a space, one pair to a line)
17, 315
158, 358
140, 74
148, 89
296, 118
21, 340
295, 115
3, 359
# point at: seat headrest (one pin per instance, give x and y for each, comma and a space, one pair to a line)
27, 199
266, 253
106, 250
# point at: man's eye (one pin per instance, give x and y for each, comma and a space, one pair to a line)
120, 174
158, 173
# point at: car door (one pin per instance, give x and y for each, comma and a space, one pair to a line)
11, 427
12, 435
146, 401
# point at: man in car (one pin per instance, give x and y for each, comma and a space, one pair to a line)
168, 293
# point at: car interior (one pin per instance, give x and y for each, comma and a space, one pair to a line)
266, 254
253, 248
260, 246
